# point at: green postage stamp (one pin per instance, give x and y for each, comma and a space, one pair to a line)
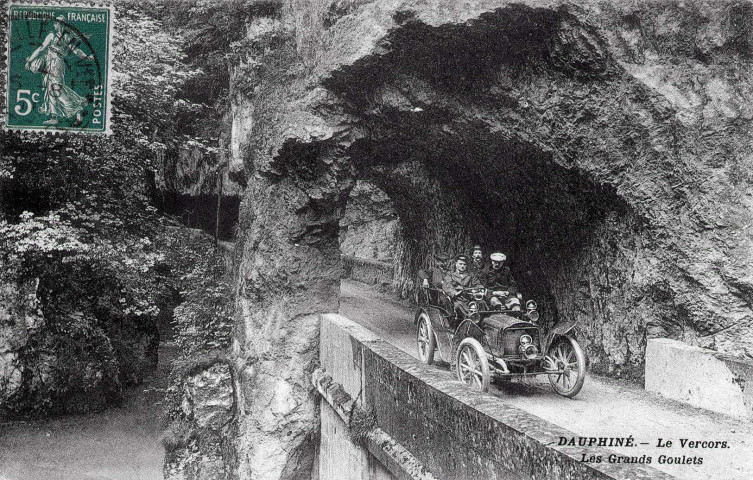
58, 76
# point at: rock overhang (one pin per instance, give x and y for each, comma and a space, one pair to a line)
629, 238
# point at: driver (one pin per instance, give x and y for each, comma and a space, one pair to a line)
454, 283
499, 281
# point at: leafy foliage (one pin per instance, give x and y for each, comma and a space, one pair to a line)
76, 218
76, 214
146, 86
204, 319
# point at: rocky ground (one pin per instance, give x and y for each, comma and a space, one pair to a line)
118, 444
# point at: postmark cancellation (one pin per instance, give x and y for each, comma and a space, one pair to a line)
58, 67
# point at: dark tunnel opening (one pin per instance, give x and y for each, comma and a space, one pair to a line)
464, 189
449, 134
204, 211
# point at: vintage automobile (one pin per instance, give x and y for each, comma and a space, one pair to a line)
503, 342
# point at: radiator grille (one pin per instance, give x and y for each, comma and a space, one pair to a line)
510, 340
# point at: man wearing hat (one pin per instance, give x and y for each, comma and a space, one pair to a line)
454, 282
497, 277
477, 261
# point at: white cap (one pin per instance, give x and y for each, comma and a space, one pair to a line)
498, 257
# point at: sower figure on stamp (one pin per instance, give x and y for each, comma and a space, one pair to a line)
60, 101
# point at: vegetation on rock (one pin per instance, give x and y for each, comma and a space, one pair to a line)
83, 251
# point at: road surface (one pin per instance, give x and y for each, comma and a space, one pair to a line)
117, 444
604, 408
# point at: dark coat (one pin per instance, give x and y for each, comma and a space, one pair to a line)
454, 281
500, 279
434, 275
477, 269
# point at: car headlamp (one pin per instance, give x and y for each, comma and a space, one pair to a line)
525, 339
531, 305
473, 307
533, 315
529, 350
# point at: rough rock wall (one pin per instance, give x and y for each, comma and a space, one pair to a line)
604, 146
201, 445
432, 219
369, 228
64, 353
522, 90
200, 403
188, 183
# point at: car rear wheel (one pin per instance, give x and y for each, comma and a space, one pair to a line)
471, 365
569, 358
425, 340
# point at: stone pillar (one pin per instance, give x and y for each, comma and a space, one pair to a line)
288, 273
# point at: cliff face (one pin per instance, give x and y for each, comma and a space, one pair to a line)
369, 227
604, 147
63, 351
199, 186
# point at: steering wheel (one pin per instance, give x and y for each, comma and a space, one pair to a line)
476, 292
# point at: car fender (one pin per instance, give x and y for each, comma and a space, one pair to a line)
442, 331
562, 329
419, 311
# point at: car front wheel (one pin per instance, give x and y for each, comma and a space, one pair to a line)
471, 365
570, 361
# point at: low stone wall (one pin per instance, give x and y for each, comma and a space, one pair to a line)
372, 272
453, 432
700, 377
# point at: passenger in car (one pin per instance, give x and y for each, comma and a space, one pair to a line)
477, 264
434, 276
499, 282
454, 283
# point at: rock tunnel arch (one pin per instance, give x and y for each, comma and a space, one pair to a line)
369, 228
522, 110
449, 130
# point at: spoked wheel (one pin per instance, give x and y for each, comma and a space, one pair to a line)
568, 356
425, 340
471, 365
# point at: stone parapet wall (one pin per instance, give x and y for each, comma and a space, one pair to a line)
454, 432
700, 377
372, 272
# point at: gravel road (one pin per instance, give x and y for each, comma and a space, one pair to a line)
604, 407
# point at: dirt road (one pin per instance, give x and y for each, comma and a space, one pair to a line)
603, 408
117, 444
123, 443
